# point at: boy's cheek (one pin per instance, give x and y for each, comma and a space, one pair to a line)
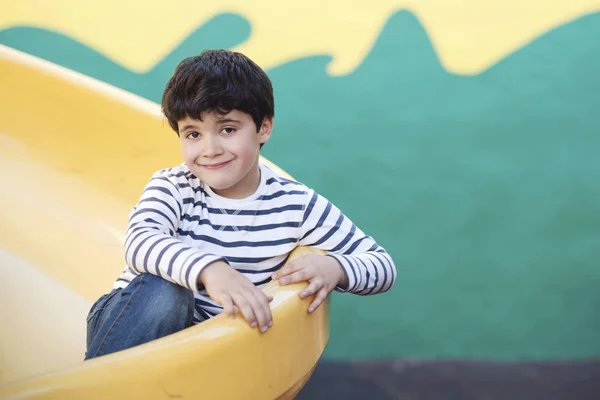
187, 153
189, 157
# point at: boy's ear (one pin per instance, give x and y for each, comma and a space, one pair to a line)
265, 130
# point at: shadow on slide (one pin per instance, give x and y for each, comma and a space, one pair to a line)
75, 154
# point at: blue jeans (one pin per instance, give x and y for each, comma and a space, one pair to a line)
147, 309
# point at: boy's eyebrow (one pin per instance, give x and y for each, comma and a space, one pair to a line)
186, 127
224, 120
220, 121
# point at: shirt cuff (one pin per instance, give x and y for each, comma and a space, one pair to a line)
348, 270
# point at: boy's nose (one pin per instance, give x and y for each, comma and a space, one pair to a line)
212, 148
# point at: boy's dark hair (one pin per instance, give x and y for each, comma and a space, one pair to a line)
221, 81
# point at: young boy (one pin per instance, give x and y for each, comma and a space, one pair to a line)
208, 234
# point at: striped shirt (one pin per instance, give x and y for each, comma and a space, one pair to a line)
180, 225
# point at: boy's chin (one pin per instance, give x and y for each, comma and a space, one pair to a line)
216, 181
218, 185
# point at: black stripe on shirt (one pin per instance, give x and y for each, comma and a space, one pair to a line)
331, 232
242, 243
272, 269
153, 211
321, 221
172, 261
310, 207
281, 181
246, 228
276, 210
150, 251
280, 193
345, 240
355, 245
155, 199
163, 251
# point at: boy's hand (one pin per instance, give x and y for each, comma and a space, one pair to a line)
323, 274
232, 290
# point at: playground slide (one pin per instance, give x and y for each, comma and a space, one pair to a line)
75, 154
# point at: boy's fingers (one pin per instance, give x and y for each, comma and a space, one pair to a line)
319, 298
287, 269
299, 276
270, 314
265, 308
311, 289
227, 304
260, 307
245, 308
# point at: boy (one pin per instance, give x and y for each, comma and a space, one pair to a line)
208, 234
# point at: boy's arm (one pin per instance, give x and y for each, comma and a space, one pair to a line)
150, 245
368, 267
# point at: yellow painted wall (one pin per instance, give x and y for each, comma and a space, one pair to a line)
468, 35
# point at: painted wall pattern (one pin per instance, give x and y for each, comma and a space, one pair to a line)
463, 135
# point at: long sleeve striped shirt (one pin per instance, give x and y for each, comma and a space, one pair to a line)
180, 226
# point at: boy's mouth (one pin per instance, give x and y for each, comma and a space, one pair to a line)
216, 165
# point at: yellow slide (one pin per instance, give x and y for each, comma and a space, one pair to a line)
75, 155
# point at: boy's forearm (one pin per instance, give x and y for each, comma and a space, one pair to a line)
207, 270
150, 251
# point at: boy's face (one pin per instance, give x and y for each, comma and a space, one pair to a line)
223, 151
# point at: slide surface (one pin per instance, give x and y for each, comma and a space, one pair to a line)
75, 154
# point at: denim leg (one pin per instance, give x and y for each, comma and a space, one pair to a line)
97, 316
147, 309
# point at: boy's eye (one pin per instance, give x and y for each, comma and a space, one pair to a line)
193, 135
228, 130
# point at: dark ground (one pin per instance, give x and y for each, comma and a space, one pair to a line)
426, 380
